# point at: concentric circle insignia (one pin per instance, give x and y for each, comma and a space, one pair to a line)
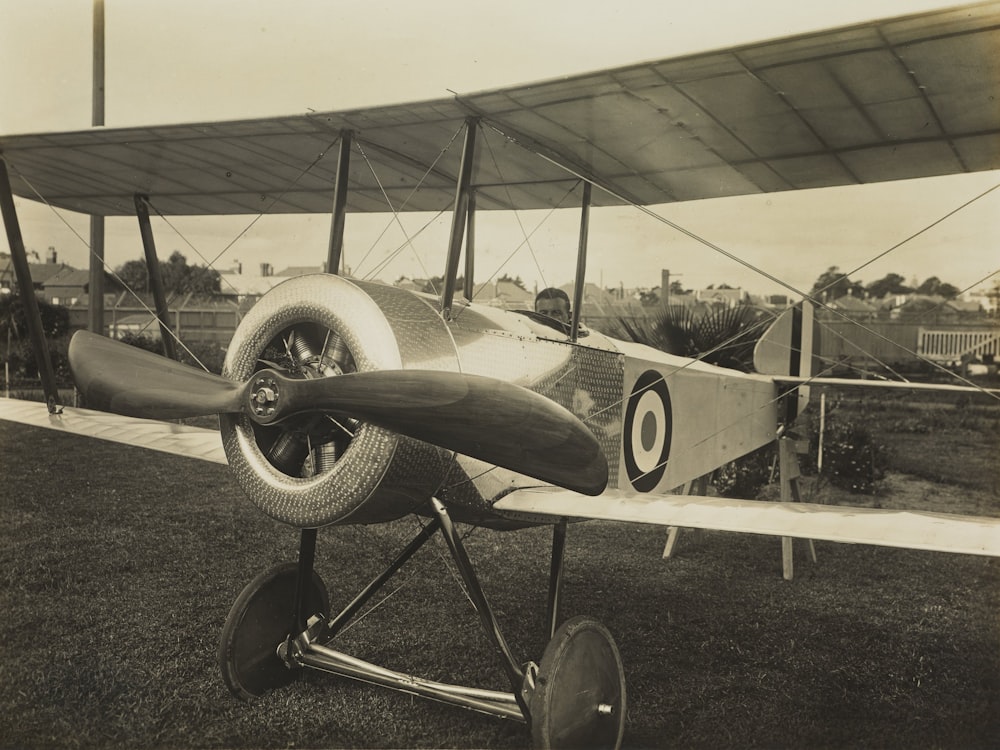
647, 430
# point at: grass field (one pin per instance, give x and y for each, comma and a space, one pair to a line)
119, 567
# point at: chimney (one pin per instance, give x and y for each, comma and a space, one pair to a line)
51, 255
265, 269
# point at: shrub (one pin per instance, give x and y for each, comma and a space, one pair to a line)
747, 476
20, 357
142, 341
195, 353
853, 458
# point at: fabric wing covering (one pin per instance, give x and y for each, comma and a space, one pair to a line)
902, 98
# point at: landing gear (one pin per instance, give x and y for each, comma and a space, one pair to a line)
575, 698
260, 619
579, 695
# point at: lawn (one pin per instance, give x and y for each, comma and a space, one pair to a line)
119, 567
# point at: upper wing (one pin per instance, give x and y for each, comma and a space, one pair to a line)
181, 440
901, 98
940, 532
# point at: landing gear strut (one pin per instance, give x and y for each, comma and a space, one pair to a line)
574, 698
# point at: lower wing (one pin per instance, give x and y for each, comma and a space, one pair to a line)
181, 440
939, 532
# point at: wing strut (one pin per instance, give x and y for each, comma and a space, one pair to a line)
19, 258
581, 260
153, 271
459, 216
469, 290
336, 252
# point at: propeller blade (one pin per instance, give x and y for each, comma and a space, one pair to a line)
482, 417
127, 380
485, 418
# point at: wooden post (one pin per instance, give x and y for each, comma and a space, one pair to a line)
788, 464
697, 486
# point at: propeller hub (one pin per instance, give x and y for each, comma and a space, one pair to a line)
264, 396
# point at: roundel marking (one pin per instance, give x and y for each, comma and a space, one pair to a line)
647, 429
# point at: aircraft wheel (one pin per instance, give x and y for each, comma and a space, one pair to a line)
258, 622
579, 698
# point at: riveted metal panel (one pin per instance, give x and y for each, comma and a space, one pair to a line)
586, 378
380, 475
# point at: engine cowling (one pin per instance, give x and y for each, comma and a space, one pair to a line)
315, 470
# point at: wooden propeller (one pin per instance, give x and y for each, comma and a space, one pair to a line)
485, 418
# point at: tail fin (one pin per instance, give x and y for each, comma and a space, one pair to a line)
787, 348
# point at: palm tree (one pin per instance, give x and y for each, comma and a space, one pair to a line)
723, 336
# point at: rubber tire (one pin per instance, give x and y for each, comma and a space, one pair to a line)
257, 623
580, 670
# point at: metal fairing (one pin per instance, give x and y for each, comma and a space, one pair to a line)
584, 378
381, 475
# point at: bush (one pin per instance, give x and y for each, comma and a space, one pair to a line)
747, 476
196, 353
24, 367
853, 458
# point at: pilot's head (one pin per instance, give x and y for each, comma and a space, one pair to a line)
554, 303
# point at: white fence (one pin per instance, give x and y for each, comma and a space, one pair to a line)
955, 345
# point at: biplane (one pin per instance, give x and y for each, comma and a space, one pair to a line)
346, 401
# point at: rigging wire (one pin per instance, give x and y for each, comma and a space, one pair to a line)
510, 202
104, 264
108, 269
771, 277
394, 218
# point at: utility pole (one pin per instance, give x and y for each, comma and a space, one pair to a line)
665, 288
95, 308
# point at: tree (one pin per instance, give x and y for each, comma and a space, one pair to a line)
725, 337
178, 277
435, 285
832, 285
934, 285
891, 283
14, 317
515, 280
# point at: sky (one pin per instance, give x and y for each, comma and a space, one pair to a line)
199, 60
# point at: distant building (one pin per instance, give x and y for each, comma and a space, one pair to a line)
965, 308
926, 307
727, 297
293, 271
854, 308
246, 288
503, 294
40, 272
